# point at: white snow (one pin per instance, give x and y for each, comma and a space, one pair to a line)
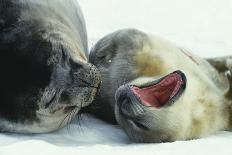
96, 137
202, 26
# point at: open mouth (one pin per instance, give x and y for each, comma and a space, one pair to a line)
161, 92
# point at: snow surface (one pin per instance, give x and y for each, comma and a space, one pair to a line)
202, 26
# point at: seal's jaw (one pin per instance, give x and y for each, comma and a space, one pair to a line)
50, 107
161, 92
137, 104
79, 90
157, 94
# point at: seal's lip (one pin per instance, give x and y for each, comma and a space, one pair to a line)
161, 92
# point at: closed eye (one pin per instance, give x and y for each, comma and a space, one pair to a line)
101, 57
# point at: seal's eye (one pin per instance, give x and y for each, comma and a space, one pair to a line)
102, 58
105, 60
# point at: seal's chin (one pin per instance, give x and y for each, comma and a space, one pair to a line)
135, 103
66, 101
159, 93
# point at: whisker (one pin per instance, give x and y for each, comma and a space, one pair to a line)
69, 121
63, 121
79, 121
68, 118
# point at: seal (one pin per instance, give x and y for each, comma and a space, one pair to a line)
45, 77
159, 91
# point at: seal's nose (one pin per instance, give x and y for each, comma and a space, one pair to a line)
83, 86
94, 76
127, 103
85, 74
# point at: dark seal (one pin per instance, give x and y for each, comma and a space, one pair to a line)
45, 77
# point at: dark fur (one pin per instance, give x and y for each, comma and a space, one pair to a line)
35, 55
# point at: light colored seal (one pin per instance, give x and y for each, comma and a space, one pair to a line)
45, 77
159, 91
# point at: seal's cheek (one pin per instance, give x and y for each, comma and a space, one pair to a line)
148, 64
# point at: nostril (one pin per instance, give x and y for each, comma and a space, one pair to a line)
122, 93
121, 98
124, 107
128, 105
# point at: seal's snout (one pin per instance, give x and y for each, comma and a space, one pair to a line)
83, 86
85, 75
127, 103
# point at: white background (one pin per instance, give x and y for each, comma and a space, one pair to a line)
204, 26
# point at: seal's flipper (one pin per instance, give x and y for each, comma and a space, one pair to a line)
224, 64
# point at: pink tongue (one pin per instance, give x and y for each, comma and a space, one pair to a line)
159, 94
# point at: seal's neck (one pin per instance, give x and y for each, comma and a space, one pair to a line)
62, 21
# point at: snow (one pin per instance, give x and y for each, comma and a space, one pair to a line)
96, 137
202, 26
92, 136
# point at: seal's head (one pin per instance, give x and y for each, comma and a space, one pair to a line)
159, 92
45, 77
